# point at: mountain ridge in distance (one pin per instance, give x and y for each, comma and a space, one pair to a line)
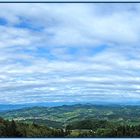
6, 107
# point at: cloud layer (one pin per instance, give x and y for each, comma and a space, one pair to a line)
69, 53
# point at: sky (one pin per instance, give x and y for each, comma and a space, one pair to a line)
69, 53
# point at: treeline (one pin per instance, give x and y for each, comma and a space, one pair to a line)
89, 124
14, 129
103, 128
118, 132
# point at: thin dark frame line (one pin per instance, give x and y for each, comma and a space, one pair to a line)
69, 1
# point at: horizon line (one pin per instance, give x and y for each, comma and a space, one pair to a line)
104, 1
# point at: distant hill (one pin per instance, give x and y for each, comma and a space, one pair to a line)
8, 107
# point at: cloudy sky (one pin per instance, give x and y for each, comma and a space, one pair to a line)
69, 53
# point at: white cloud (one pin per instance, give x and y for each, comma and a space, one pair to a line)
58, 52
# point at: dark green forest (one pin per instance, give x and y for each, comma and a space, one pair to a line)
91, 121
15, 129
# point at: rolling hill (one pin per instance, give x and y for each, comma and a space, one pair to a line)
61, 115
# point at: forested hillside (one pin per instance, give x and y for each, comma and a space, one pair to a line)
16, 129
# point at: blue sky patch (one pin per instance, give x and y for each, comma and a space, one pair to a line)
3, 21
